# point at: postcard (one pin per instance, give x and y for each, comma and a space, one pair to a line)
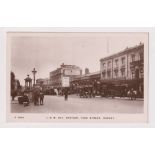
77, 77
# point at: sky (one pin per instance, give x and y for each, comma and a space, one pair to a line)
47, 51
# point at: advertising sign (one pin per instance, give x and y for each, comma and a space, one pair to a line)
65, 81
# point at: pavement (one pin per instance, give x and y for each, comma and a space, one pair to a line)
75, 104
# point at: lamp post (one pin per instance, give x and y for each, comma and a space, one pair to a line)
34, 72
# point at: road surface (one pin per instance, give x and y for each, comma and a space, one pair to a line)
56, 104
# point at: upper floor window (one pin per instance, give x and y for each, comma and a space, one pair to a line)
141, 55
109, 63
132, 75
123, 61
123, 73
104, 74
109, 74
116, 63
132, 57
116, 74
104, 65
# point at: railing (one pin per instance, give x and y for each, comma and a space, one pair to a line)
136, 63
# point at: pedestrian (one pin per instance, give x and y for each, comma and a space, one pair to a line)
66, 94
132, 94
94, 92
129, 94
41, 98
36, 97
13, 94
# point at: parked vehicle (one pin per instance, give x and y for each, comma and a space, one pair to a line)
24, 100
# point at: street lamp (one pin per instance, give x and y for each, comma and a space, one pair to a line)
34, 72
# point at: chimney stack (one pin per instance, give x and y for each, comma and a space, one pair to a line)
86, 71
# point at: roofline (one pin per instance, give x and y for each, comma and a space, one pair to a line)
121, 52
93, 73
66, 67
89, 74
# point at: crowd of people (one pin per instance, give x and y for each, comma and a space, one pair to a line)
90, 92
36, 96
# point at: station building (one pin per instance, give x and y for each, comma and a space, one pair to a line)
87, 80
125, 67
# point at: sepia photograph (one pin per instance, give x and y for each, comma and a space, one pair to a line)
77, 76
